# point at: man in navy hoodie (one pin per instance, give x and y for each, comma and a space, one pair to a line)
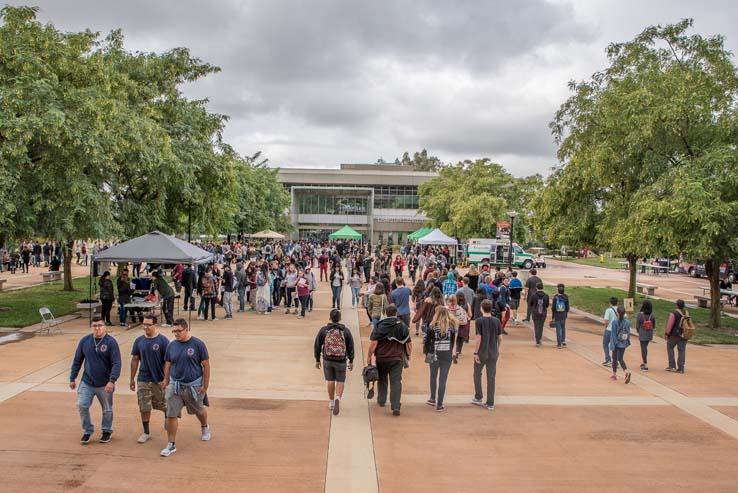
100, 354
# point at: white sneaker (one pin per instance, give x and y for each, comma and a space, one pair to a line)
165, 326
205, 434
200, 317
168, 450
144, 438
477, 402
330, 405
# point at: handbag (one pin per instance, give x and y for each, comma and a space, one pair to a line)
552, 324
431, 357
382, 315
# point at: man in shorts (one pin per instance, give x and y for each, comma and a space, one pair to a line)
148, 351
336, 344
186, 379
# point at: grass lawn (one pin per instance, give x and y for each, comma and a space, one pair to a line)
609, 263
24, 303
596, 300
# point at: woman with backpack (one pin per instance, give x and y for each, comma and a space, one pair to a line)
619, 341
645, 323
438, 346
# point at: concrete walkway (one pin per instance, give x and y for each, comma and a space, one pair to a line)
557, 423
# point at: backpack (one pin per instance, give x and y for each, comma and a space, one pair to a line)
370, 374
560, 305
647, 322
686, 326
334, 346
539, 307
208, 286
623, 334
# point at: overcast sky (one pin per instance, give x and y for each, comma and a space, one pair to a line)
316, 83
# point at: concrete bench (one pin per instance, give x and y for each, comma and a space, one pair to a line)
52, 276
650, 290
703, 301
2, 281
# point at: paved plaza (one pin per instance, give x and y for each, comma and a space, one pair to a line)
559, 423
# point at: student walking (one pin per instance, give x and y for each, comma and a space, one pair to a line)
610, 316
148, 350
532, 287
538, 306
107, 296
124, 296
461, 310
674, 339
619, 342
335, 344
645, 324
486, 353
400, 297
100, 354
378, 304
355, 285
391, 347
438, 346
516, 287
303, 292
186, 380
559, 313
336, 279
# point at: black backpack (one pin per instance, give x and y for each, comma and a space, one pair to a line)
370, 374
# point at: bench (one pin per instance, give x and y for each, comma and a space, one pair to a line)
650, 289
52, 276
2, 281
703, 301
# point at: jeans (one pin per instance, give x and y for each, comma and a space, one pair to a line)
290, 293
538, 328
375, 321
204, 304
303, 304
560, 332
491, 366
644, 352
412, 276
681, 346
618, 357
439, 380
336, 302
107, 306
354, 296
228, 303
606, 345
167, 308
241, 298
391, 370
85, 394
122, 312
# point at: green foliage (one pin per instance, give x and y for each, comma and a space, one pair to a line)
262, 200
467, 200
420, 161
23, 304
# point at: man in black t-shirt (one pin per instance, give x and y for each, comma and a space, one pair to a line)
486, 352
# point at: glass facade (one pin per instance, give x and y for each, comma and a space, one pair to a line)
385, 197
331, 204
395, 197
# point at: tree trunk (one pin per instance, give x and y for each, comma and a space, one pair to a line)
632, 269
68, 247
712, 269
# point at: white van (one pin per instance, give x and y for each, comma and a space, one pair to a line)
497, 252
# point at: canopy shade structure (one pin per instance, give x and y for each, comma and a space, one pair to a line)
155, 248
437, 237
416, 235
268, 234
346, 233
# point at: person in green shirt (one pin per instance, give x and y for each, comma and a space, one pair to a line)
165, 294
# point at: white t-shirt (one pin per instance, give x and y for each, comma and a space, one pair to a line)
610, 316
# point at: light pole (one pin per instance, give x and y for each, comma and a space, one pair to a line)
512, 215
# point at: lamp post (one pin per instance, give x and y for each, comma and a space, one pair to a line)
512, 215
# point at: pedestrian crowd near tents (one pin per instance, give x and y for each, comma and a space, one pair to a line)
438, 308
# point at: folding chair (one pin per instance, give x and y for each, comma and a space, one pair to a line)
48, 322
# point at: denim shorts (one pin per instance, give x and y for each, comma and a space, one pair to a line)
334, 371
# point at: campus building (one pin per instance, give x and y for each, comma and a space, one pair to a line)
378, 200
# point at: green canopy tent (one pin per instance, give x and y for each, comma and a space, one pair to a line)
416, 235
345, 233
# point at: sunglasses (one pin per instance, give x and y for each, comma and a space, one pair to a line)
177, 331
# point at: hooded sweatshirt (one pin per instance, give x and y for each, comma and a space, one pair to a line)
391, 335
449, 285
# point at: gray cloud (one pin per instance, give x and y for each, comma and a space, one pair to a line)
327, 81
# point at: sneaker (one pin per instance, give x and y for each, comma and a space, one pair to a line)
642, 366
229, 318
431, 402
165, 326
558, 346
168, 450
144, 438
213, 319
627, 377
671, 369
124, 325
563, 344
105, 438
504, 332
396, 412
538, 344
330, 405
680, 371
645, 368
455, 359
200, 317
205, 436
287, 311
85, 439
477, 402
607, 363
489, 407
337, 407
613, 377
440, 409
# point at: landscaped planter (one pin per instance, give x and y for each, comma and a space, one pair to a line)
87, 308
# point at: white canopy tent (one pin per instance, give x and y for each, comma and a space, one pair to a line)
437, 237
268, 234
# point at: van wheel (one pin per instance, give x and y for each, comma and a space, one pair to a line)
528, 264
692, 272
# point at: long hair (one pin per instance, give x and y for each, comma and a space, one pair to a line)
647, 307
443, 320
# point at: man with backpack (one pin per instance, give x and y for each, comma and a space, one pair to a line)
538, 306
336, 344
208, 288
559, 312
679, 329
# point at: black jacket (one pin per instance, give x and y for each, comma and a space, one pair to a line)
320, 339
124, 290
